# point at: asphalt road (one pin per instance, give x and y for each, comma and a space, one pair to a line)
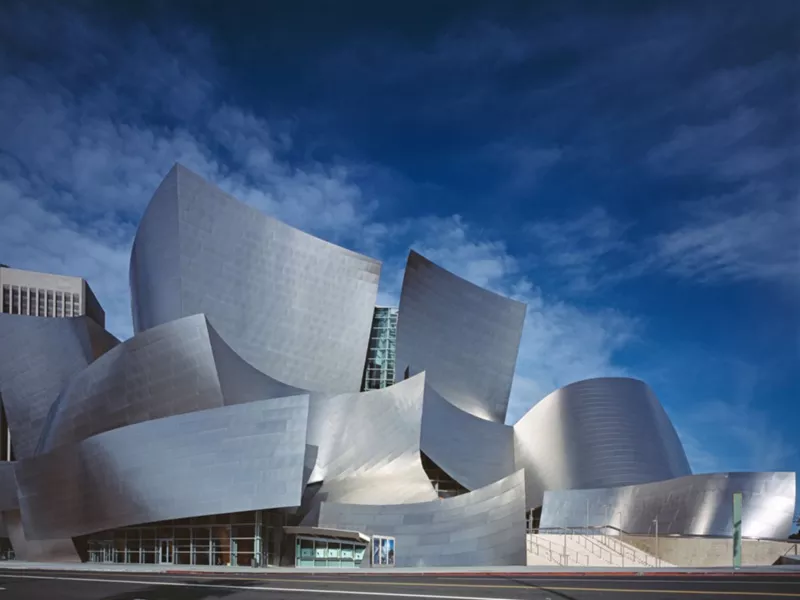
67, 585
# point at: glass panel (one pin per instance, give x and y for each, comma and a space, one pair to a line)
133, 550
320, 554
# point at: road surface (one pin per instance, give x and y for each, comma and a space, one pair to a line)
81, 585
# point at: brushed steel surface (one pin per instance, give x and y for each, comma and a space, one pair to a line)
603, 432
482, 527
38, 356
692, 505
240, 391
47, 550
8, 487
473, 451
368, 445
292, 305
229, 459
464, 337
179, 367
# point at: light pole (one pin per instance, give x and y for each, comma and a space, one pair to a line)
658, 555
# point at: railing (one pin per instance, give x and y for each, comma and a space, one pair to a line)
601, 544
555, 552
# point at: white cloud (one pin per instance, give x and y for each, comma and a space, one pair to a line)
749, 235
77, 171
75, 175
561, 342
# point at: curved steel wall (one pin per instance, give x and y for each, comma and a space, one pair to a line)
483, 527
464, 337
294, 306
693, 505
597, 433
46, 550
8, 487
230, 459
164, 371
38, 356
368, 445
179, 367
473, 451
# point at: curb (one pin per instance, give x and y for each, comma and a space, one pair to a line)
528, 574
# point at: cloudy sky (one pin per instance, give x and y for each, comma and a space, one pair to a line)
629, 169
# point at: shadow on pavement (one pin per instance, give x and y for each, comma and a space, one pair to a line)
175, 592
540, 588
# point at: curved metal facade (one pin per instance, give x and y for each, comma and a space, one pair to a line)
473, 451
464, 337
483, 527
239, 392
8, 487
229, 459
38, 356
292, 305
693, 505
368, 445
182, 366
603, 432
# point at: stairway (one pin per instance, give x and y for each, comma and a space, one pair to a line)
573, 549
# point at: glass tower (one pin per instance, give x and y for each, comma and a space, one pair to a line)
379, 367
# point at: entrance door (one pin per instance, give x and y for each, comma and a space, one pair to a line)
165, 552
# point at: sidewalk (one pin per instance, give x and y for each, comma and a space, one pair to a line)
499, 571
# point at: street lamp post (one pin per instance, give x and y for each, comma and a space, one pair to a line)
658, 555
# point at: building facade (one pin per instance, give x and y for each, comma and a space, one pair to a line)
47, 295
260, 415
379, 367
31, 293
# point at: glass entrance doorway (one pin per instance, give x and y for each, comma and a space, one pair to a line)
165, 552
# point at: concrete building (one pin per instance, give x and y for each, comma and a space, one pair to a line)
233, 429
37, 294
47, 295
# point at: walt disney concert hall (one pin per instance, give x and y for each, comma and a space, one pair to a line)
235, 426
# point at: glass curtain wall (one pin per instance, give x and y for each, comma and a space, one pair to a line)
328, 552
238, 539
380, 365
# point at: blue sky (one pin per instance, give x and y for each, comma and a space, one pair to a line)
629, 169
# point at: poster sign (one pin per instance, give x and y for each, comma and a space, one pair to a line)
737, 530
382, 551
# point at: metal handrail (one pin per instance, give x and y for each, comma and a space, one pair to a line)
666, 534
597, 548
624, 551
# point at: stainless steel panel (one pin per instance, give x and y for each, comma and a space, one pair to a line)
368, 445
38, 356
483, 527
179, 367
8, 487
597, 433
161, 372
47, 550
464, 337
294, 306
229, 459
693, 505
473, 451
